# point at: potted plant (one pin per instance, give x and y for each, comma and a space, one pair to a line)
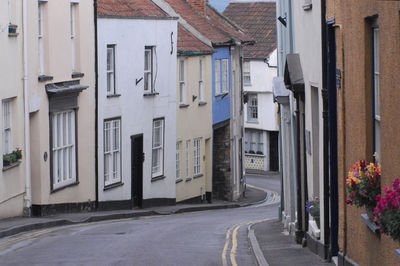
260, 153
18, 153
312, 208
387, 211
363, 185
6, 160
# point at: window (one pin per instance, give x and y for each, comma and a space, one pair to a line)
63, 148
110, 69
196, 156
246, 73
73, 32
40, 38
254, 143
112, 151
252, 108
187, 158
158, 148
182, 89
7, 131
201, 83
217, 77
148, 69
225, 75
178, 160
376, 92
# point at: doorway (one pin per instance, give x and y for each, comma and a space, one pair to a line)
137, 159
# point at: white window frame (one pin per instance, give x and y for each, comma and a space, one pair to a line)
217, 76
187, 158
112, 151
225, 75
178, 160
7, 126
254, 141
110, 68
246, 73
182, 81
41, 37
201, 81
157, 166
376, 89
63, 148
197, 157
252, 108
73, 7
148, 76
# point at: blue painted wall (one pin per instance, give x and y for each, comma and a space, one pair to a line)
221, 105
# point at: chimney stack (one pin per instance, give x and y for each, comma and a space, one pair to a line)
199, 5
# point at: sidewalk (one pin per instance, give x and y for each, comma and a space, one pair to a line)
18, 225
272, 247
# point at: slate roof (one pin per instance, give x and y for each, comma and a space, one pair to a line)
129, 8
258, 20
188, 43
214, 26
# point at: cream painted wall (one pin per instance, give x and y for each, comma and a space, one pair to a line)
58, 63
12, 181
195, 121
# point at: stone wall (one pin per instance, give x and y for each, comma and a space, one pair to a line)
222, 164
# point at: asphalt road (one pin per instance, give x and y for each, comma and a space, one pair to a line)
216, 237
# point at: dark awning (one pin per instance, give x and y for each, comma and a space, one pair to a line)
294, 80
65, 88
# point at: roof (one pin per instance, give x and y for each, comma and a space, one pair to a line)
188, 43
129, 8
258, 20
215, 27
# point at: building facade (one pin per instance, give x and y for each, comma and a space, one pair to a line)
61, 81
12, 111
137, 105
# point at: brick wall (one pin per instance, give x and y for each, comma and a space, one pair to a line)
222, 164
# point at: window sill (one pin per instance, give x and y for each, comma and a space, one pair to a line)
157, 178
188, 179
221, 95
252, 121
178, 180
183, 105
372, 226
246, 84
197, 176
307, 7
13, 34
43, 78
75, 75
8, 167
113, 95
255, 155
150, 94
202, 103
61, 188
111, 186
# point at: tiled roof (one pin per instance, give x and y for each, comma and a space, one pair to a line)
258, 19
129, 8
189, 43
214, 27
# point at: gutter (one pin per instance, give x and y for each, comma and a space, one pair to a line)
28, 195
96, 92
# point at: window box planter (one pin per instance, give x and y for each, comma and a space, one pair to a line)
12, 157
11, 165
12, 30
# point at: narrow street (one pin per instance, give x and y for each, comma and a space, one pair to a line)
201, 238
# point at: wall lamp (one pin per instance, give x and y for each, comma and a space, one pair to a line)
282, 20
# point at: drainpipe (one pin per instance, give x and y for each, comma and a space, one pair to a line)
28, 196
96, 153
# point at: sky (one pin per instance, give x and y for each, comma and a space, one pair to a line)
220, 5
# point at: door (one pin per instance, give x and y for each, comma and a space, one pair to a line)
137, 159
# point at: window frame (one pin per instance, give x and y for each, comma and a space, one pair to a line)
55, 186
7, 106
178, 160
197, 157
111, 90
217, 77
112, 179
201, 79
149, 71
251, 108
73, 6
182, 81
160, 173
41, 37
187, 149
225, 75
376, 114
246, 73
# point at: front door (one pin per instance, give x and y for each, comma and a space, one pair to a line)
137, 159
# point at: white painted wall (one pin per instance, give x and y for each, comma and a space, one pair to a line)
136, 111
